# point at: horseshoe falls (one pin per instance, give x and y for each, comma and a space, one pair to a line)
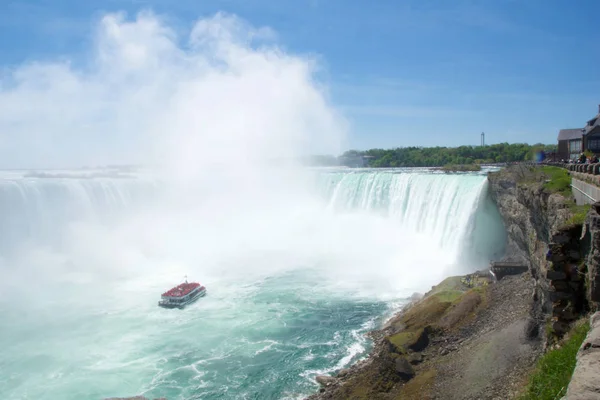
296, 275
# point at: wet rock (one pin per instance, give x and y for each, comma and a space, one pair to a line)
343, 372
404, 369
325, 380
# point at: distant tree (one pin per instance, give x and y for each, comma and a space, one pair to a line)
440, 156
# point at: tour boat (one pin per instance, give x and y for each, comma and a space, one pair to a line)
182, 295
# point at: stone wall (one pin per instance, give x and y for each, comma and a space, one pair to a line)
592, 242
565, 271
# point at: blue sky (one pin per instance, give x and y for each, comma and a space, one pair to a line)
403, 72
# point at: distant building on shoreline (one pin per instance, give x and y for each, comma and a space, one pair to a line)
570, 143
573, 142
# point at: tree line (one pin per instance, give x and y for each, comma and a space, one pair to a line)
440, 156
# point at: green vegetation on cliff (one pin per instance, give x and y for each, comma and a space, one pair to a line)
553, 180
439, 156
553, 373
461, 168
579, 214
559, 180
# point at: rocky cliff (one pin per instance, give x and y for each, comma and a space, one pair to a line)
563, 254
530, 213
541, 235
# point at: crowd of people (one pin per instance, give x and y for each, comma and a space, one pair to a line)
583, 159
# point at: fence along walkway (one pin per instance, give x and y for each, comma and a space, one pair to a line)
585, 182
500, 269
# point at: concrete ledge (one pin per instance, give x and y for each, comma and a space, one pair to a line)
584, 192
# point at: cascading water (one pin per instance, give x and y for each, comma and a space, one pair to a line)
452, 211
289, 297
38, 207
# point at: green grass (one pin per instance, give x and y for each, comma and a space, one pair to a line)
559, 180
448, 295
553, 372
579, 214
450, 283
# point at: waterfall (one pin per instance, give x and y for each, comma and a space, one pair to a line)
453, 210
39, 208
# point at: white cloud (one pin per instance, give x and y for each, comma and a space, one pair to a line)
225, 93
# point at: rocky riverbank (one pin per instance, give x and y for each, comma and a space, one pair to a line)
481, 341
466, 339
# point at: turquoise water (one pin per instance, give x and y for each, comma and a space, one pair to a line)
293, 286
264, 340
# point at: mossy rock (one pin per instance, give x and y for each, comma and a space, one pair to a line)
373, 382
425, 313
410, 340
419, 387
450, 296
404, 369
464, 307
